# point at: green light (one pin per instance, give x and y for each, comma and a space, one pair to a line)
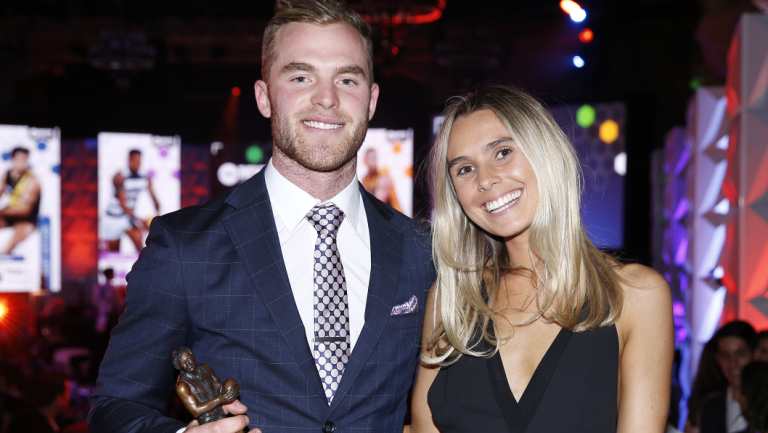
695, 83
585, 116
254, 154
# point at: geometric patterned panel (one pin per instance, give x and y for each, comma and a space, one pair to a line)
710, 212
746, 268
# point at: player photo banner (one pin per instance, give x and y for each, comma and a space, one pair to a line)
30, 209
385, 167
139, 178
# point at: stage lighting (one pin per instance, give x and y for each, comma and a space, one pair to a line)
254, 154
574, 10
609, 131
620, 164
585, 116
235, 91
586, 36
578, 61
579, 16
3, 310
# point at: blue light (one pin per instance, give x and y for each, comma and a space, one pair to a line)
578, 15
578, 61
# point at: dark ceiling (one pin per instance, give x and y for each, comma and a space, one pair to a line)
135, 64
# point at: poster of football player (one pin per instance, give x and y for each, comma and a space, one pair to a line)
139, 178
30, 209
385, 167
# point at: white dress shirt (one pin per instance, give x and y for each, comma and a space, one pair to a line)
290, 206
734, 420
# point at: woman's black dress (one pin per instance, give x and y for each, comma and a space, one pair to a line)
573, 390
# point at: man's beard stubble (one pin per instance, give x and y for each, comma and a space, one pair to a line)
321, 157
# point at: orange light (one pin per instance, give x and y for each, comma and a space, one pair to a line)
569, 6
3, 310
235, 91
586, 36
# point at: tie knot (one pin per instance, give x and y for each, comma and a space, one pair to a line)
326, 217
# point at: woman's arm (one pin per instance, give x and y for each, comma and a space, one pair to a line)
421, 416
647, 346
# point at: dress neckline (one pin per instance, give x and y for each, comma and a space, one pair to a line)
518, 414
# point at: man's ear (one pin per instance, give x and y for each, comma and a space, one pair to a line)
262, 98
374, 100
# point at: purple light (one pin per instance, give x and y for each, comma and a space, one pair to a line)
678, 309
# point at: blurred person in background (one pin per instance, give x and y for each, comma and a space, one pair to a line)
754, 401
733, 346
761, 351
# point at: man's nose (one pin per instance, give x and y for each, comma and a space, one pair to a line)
326, 95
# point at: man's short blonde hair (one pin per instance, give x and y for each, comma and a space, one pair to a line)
312, 12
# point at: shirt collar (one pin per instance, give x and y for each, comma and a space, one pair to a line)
291, 204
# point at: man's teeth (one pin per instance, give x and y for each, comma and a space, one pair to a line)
322, 125
502, 201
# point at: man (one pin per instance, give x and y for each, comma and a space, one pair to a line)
734, 345
22, 206
120, 214
299, 285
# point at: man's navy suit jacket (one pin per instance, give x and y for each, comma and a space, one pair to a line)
213, 278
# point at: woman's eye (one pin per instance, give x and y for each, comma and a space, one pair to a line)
502, 153
463, 170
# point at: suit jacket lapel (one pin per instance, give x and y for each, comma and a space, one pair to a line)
386, 246
252, 229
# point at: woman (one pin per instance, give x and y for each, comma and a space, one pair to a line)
718, 412
529, 327
755, 399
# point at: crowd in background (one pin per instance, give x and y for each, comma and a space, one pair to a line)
47, 376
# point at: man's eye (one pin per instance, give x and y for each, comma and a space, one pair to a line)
299, 79
349, 82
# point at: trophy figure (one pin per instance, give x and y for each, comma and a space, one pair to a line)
200, 390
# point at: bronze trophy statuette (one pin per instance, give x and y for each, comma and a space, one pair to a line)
200, 390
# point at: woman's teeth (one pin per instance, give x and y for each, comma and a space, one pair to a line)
495, 205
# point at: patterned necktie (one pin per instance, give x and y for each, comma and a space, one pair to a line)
331, 314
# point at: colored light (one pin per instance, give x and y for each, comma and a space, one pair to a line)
620, 164
578, 16
585, 116
586, 36
3, 310
609, 131
254, 154
235, 91
395, 50
578, 61
569, 6
695, 83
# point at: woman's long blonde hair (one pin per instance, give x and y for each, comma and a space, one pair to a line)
577, 285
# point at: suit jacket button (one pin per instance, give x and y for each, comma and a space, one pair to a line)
329, 427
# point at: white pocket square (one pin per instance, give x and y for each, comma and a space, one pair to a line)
406, 307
